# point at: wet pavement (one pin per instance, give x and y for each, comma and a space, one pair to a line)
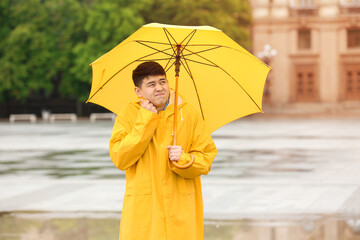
272, 179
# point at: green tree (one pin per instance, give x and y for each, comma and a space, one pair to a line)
46, 45
66, 26
24, 55
108, 23
233, 17
37, 47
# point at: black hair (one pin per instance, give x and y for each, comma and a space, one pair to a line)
146, 69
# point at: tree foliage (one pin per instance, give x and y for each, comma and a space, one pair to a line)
46, 46
233, 17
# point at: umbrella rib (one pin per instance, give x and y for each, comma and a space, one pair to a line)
230, 77
203, 51
192, 35
190, 54
155, 59
207, 64
170, 66
152, 42
166, 34
188, 70
160, 51
246, 53
208, 45
172, 57
165, 29
120, 71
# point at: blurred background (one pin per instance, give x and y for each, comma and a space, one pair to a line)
291, 173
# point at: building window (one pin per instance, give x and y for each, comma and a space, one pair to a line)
353, 38
305, 84
352, 83
304, 39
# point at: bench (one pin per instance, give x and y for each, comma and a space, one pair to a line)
22, 117
63, 117
102, 116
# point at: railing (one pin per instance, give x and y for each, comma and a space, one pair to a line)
303, 7
302, 4
349, 6
350, 3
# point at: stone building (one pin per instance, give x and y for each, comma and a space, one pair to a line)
318, 49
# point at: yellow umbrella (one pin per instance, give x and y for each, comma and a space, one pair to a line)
219, 78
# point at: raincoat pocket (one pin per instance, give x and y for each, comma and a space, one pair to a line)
186, 186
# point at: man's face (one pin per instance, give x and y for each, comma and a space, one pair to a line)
155, 89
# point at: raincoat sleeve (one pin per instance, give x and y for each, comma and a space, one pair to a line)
129, 140
202, 148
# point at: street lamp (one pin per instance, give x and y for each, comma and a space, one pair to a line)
354, 224
266, 55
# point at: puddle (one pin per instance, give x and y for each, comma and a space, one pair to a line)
98, 226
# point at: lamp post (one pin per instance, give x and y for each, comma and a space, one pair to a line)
266, 56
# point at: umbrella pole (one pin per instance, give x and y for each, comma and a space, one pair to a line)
175, 108
177, 70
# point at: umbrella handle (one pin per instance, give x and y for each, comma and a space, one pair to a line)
175, 124
184, 166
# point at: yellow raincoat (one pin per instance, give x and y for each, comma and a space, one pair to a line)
161, 202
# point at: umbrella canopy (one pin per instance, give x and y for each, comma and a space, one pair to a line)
218, 77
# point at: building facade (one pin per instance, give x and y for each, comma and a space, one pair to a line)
317, 46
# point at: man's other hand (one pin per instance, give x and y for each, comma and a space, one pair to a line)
174, 152
148, 105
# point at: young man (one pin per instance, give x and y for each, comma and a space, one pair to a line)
161, 202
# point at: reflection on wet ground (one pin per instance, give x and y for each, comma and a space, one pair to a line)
275, 168
251, 149
35, 226
95, 164
92, 164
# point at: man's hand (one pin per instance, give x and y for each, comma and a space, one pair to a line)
174, 152
148, 105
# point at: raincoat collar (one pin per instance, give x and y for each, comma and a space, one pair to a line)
167, 103
172, 99
169, 110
